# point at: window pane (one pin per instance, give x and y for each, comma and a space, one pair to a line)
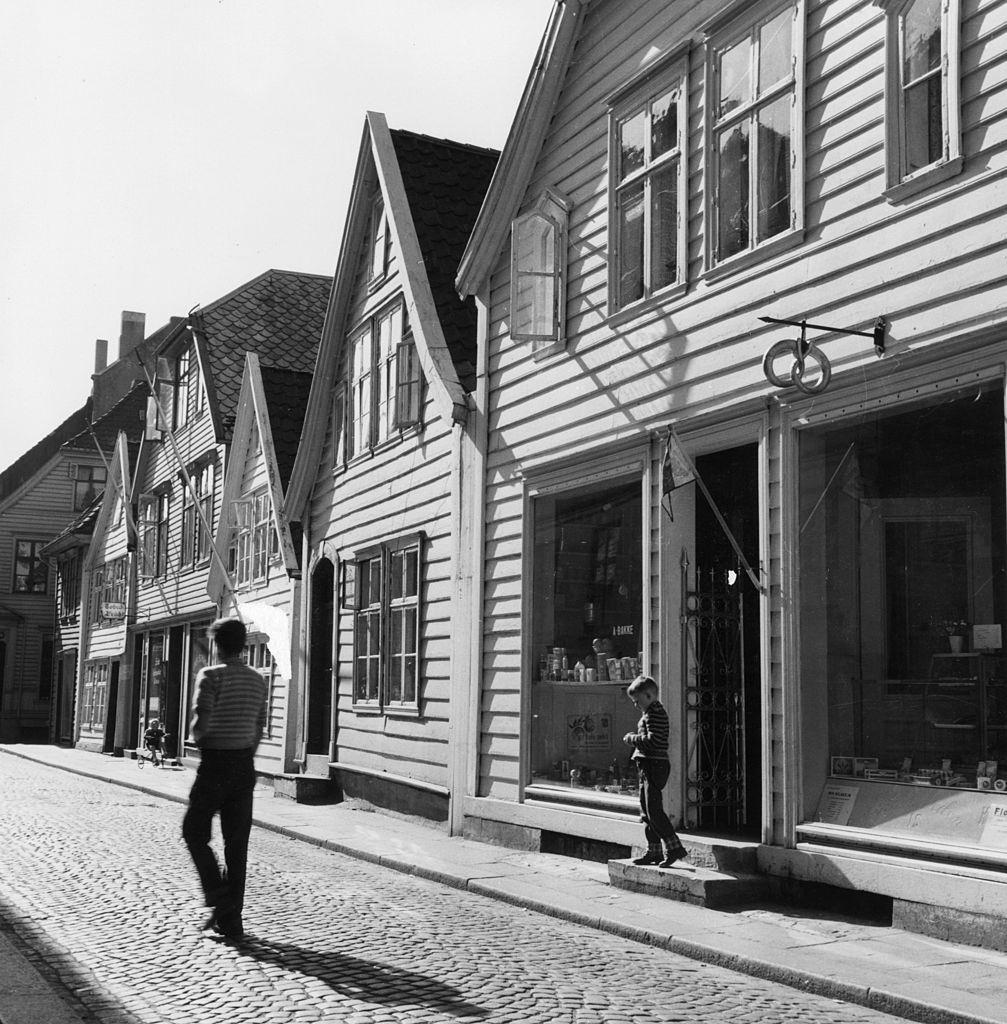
774, 169
536, 301
923, 141
409, 679
735, 78
664, 125
664, 227
409, 631
631, 244
921, 40
775, 40
732, 212
412, 572
395, 575
535, 240
631, 138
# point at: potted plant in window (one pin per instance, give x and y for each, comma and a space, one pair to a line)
957, 630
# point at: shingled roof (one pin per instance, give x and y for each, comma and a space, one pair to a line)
278, 315
445, 184
286, 394
128, 414
39, 454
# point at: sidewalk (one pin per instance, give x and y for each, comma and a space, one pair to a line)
881, 967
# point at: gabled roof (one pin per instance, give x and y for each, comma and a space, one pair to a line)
286, 393
430, 189
76, 534
277, 315
117, 487
445, 185
22, 469
127, 415
521, 151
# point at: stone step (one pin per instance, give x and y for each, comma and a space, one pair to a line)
306, 789
690, 883
731, 855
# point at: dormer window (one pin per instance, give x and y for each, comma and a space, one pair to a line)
538, 275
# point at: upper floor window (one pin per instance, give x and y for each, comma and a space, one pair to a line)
255, 542
922, 94
69, 586
152, 529
538, 275
647, 204
197, 514
108, 591
31, 571
755, 124
88, 483
382, 588
384, 381
378, 241
182, 381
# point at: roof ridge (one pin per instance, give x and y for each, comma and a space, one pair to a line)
487, 150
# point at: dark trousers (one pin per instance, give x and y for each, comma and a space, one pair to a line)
225, 781
657, 825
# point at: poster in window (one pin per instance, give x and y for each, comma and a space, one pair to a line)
588, 732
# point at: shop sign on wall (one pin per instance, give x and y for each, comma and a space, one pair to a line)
995, 827
588, 732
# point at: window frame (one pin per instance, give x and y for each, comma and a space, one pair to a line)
197, 541
93, 477
669, 74
900, 185
152, 539
384, 610
182, 376
68, 581
554, 210
34, 559
378, 242
94, 684
721, 34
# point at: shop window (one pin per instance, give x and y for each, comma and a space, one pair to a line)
755, 121
31, 571
152, 530
382, 588
647, 200
93, 696
586, 633
922, 94
903, 595
538, 275
88, 483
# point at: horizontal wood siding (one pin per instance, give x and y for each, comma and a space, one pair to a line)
933, 265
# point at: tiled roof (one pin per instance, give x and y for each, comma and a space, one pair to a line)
286, 399
39, 454
128, 414
83, 525
277, 315
445, 184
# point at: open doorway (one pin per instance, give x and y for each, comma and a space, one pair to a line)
319, 711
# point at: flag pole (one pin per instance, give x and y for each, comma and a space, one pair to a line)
756, 582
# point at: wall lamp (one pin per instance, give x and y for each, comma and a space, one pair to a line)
803, 351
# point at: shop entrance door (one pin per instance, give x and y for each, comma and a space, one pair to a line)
720, 643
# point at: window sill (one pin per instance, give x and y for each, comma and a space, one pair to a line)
751, 257
375, 283
366, 709
382, 446
924, 179
402, 711
642, 307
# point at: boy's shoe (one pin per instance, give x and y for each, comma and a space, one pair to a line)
674, 857
647, 859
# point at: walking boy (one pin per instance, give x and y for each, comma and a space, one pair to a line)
228, 723
650, 752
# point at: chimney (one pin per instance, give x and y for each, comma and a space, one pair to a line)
100, 355
132, 331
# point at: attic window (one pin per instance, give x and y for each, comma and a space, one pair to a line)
538, 275
378, 241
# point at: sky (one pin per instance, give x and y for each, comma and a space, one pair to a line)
156, 154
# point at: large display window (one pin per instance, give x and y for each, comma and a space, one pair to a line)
901, 532
587, 634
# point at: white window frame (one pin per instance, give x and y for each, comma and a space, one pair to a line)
384, 669
378, 242
900, 183
670, 74
94, 696
152, 530
740, 22
553, 210
197, 541
88, 482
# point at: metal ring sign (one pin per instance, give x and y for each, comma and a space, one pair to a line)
801, 352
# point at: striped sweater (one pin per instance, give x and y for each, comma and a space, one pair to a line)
230, 707
653, 732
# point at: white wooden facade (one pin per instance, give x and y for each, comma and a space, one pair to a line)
924, 251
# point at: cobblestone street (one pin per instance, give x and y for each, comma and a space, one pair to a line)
100, 875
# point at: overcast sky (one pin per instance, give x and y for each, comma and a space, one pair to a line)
155, 154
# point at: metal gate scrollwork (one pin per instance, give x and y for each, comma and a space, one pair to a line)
713, 701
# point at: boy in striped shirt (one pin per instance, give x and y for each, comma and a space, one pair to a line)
650, 752
229, 720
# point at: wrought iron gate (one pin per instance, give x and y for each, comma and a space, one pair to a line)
713, 699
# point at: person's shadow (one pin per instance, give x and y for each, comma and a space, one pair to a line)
362, 979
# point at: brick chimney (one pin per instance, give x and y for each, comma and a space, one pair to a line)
133, 326
100, 355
